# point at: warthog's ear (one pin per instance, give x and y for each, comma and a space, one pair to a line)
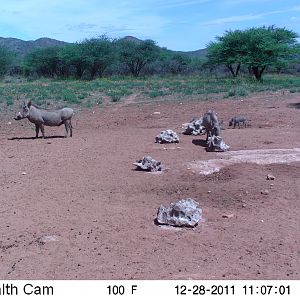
29, 103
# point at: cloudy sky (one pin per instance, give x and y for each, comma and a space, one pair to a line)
178, 24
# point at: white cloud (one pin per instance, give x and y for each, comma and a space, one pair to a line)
169, 22
233, 19
178, 3
296, 8
295, 19
79, 19
249, 17
237, 2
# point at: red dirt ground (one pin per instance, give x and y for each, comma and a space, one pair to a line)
81, 211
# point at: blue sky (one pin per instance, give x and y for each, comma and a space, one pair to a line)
178, 25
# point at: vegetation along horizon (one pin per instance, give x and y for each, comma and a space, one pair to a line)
102, 70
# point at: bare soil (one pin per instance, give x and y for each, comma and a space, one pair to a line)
76, 208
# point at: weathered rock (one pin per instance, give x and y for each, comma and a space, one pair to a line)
147, 163
48, 239
270, 177
167, 136
265, 192
215, 143
228, 216
194, 127
184, 213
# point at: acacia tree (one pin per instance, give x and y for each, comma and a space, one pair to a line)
43, 62
256, 48
178, 63
71, 57
97, 54
268, 46
137, 54
88, 58
6, 60
228, 50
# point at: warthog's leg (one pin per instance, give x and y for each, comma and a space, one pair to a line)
37, 129
68, 127
42, 130
71, 131
208, 134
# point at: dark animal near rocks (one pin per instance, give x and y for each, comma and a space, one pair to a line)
45, 117
211, 123
237, 121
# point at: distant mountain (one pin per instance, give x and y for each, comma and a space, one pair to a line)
131, 38
197, 53
21, 48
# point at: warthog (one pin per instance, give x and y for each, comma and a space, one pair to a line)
237, 120
211, 123
46, 117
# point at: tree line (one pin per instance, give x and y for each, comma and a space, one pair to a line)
254, 50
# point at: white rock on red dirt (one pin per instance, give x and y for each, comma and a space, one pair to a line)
194, 127
147, 163
184, 213
216, 144
167, 136
265, 192
270, 177
228, 216
70, 189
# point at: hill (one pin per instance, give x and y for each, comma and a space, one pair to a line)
21, 48
197, 53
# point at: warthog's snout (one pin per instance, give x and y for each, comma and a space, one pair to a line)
18, 116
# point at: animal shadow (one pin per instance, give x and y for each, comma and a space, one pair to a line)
295, 105
40, 137
201, 143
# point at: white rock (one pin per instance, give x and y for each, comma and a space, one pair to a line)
228, 216
183, 213
147, 163
265, 192
167, 136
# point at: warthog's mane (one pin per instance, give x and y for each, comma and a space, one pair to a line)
47, 109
